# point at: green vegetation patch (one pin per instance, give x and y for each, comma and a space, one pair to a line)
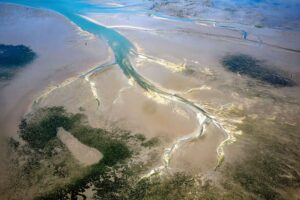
140, 137
112, 178
41, 127
113, 150
122, 183
44, 169
176, 186
151, 142
39, 130
270, 161
247, 65
12, 57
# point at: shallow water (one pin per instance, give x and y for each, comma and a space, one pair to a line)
76, 11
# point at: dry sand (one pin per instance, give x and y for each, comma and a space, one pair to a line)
84, 154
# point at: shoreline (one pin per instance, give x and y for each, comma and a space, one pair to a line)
78, 58
167, 90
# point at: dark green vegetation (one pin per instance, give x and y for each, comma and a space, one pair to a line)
126, 186
247, 65
112, 148
112, 177
271, 161
151, 142
268, 165
12, 58
177, 186
39, 130
44, 169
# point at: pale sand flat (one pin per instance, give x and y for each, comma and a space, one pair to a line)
84, 154
63, 50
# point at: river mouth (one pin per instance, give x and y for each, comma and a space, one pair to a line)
171, 89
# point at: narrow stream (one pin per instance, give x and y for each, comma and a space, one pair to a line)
74, 11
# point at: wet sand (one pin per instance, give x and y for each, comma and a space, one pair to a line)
192, 71
124, 105
184, 59
110, 100
63, 51
199, 156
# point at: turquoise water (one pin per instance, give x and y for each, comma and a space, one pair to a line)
119, 44
72, 9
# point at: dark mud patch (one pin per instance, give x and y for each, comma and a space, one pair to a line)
12, 58
257, 69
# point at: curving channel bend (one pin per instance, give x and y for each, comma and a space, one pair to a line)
203, 118
122, 49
